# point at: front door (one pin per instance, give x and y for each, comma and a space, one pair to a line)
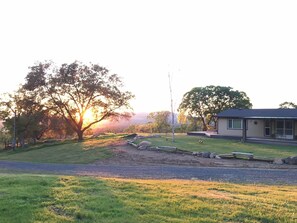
284, 129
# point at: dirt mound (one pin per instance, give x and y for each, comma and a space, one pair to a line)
129, 155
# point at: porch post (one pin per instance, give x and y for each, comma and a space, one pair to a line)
243, 130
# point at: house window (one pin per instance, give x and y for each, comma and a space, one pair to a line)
267, 128
234, 124
284, 128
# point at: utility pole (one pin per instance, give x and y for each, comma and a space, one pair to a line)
172, 113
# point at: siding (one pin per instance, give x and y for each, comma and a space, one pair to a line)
255, 128
223, 128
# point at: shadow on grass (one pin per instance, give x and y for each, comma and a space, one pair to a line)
87, 151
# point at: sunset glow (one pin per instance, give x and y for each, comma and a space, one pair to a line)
199, 43
89, 116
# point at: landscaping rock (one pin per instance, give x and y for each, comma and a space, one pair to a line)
195, 153
144, 145
212, 155
205, 154
278, 161
292, 160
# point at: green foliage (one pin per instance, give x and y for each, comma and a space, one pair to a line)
72, 90
159, 120
288, 105
206, 102
43, 198
141, 128
23, 109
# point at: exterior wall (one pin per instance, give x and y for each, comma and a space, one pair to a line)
255, 128
223, 128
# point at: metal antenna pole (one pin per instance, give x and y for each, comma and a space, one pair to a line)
172, 113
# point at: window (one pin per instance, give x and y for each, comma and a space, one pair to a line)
284, 128
234, 124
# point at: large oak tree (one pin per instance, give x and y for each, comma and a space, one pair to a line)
73, 90
206, 102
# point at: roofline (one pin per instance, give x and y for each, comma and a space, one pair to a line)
257, 117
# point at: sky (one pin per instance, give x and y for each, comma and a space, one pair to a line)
248, 45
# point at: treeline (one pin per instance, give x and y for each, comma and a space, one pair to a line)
72, 99
62, 101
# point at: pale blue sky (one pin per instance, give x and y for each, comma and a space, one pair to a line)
248, 45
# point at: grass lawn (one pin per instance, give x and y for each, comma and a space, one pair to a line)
221, 146
87, 151
48, 198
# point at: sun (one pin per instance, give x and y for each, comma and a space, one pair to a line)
89, 116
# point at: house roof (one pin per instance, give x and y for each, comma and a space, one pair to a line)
279, 113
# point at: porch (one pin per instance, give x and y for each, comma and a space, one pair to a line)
261, 140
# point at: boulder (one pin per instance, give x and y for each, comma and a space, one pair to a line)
292, 160
278, 161
195, 153
205, 154
212, 155
144, 145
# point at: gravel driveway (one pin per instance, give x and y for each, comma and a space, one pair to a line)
238, 175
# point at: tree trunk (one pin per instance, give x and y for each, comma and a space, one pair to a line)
80, 135
204, 124
22, 142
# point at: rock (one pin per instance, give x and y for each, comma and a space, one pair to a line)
212, 155
292, 160
278, 161
199, 154
195, 153
144, 145
205, 154
218, 157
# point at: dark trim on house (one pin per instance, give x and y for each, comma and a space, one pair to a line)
282, 122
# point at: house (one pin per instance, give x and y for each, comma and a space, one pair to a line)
258, 123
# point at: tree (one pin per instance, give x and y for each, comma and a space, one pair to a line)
58, 128
287, 104
73, 90
4, 136
160, 121
24, 117
206, 102
188, 122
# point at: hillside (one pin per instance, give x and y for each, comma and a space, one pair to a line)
118, 126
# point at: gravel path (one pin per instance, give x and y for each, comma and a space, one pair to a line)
238, 175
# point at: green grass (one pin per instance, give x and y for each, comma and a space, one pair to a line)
98, 148
43, 198
222, 146
87, 151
